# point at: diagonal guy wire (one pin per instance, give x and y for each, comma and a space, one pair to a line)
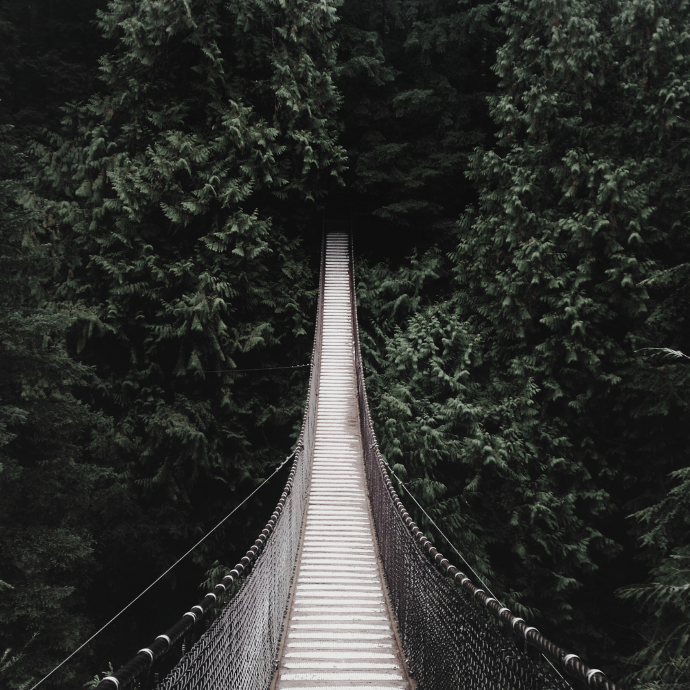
160, 577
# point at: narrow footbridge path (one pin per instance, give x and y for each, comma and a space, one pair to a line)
342, 590
339, 628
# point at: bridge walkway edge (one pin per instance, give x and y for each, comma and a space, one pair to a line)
339, 633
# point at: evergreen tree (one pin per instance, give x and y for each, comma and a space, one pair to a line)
663, 660
524, 408
177, 198
414, 76
159, 253
48, 56
55, 463
56, 468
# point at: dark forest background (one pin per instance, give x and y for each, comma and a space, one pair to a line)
516, 175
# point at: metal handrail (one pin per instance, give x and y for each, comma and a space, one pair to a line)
568, 662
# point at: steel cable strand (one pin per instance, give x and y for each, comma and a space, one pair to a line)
220, 656
464, 603
167, 643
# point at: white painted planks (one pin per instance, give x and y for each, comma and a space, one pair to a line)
339, 634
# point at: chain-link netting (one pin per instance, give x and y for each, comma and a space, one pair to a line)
238, 651
229, 640
450, 641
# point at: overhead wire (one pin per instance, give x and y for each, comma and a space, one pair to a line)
452, 546
160, 577
242, 371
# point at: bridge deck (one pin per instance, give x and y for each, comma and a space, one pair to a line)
339, 630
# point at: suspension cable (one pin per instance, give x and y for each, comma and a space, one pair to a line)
452, 546
243, 371
160, 577
440, 531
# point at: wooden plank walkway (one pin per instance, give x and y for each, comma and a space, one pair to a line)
339, 629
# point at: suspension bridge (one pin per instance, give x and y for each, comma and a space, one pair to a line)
342, 590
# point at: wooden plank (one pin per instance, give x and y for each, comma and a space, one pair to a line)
339, 631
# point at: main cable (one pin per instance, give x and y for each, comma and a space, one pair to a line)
452, 546
242, 371
440, 531
160, 577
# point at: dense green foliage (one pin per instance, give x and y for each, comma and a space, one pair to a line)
175, 199
48, 51
662, 661
414, 76
54, 455
517, 177
524, 406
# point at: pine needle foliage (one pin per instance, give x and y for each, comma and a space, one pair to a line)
525, 364
176, 199
414, 76
663, 661
48, 55
168, 191
55, 461
522, 404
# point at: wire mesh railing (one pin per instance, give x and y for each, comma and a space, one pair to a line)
230, 639
449, 640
